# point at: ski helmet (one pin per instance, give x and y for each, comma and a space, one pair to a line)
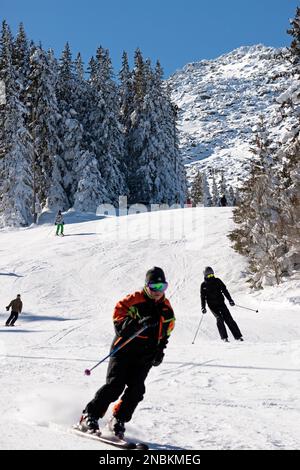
207, 271
155, 274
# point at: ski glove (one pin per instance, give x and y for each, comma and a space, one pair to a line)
147, 322
231, 302
203, 310
7, 308
158, 359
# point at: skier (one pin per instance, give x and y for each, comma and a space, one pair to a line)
59, 222
212, 290
16, 308
129, 367
223, 201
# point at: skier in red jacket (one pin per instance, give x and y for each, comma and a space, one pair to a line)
129, 367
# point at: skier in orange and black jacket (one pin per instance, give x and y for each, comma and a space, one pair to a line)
129, 367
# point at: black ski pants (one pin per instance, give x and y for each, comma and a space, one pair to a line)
223, 316
12, 319
126, 375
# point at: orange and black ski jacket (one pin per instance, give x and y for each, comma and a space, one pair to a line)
139, 305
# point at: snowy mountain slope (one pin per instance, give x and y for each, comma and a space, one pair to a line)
209, 395
220, 102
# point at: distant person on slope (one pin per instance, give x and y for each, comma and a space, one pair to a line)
223, 201
59, 222
129, 367
16, 308
212, 291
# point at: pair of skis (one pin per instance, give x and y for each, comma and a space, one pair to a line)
111, 440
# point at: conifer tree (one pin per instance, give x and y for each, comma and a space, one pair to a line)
260, 234
91, 191
44, 121
16, 197
107, 131
21, 61
197, 189
156, 174
207, 199
215, 192
232, 199
125, 93
294, 31
70, 129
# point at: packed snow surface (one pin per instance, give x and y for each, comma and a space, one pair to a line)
207, 395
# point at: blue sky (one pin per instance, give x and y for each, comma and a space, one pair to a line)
175, 31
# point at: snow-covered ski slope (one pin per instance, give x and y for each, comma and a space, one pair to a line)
209, 395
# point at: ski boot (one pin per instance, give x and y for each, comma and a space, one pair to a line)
240, 339
116, 427
89, 424
226, 340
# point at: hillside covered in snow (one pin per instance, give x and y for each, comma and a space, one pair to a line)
220, 102
207, 395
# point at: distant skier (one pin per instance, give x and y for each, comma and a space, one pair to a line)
16, 306
188, 202
223, 201
129, 367
59, 222
212, 291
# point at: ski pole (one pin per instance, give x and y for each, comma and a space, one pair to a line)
247, 308
198, 328
116, 349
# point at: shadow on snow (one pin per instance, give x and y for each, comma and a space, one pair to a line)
10, 274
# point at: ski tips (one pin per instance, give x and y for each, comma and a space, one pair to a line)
87, 372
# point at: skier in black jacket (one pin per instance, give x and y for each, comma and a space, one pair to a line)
212, 291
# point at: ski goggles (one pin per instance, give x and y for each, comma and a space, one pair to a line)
210, 275
157, 286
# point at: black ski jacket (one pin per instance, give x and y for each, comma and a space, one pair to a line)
212, 291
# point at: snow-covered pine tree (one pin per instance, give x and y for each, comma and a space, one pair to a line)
260, 232
79, 68
222, 186
126, 107
177, 190
207, 199
91, 189
288, 189
82, 104
16, 195
70, 129
232, 198
156, 174
107, 135
133, 138
20, 57
269, 207
44, 122
294, 31
125, 93
215, 192
197, 189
